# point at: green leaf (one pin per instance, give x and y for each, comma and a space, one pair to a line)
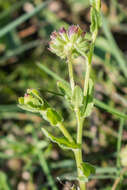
95, 20
89, 108
62, 142
88, 101
53, 117
109, 109
77, 97
87, 169
28, 108
65, 89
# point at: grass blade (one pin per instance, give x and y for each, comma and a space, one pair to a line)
19, 50
51, 73
13, 8
109, 109
119, 142
46, 169
22, 19
113, 47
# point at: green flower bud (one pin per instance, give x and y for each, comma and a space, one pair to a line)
69, 41
31, 101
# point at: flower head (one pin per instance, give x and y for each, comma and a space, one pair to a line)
68, 41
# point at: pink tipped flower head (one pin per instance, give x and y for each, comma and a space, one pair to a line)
68, 41
62, 30
73, 30
53, 35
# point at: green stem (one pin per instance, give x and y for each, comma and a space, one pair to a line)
78, 158
70, 68
65, 132
78, 153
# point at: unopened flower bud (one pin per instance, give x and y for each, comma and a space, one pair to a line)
31, 101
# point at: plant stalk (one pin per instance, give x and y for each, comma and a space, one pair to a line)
78, 153
78, 158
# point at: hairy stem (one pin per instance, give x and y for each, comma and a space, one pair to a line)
78, 153
78, 158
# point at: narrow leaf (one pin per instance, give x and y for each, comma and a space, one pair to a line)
77, 97
95, 20
109, 109
88, 101
62, 142
22, 19
65, 89
53, 117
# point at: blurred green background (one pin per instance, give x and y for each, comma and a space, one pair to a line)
28, 161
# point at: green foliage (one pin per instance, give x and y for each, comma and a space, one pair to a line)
88, 101
95, 20
88, 169
62, 142
65, 89
77, 97
53, 117
20, 132
22, 19
97, 102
